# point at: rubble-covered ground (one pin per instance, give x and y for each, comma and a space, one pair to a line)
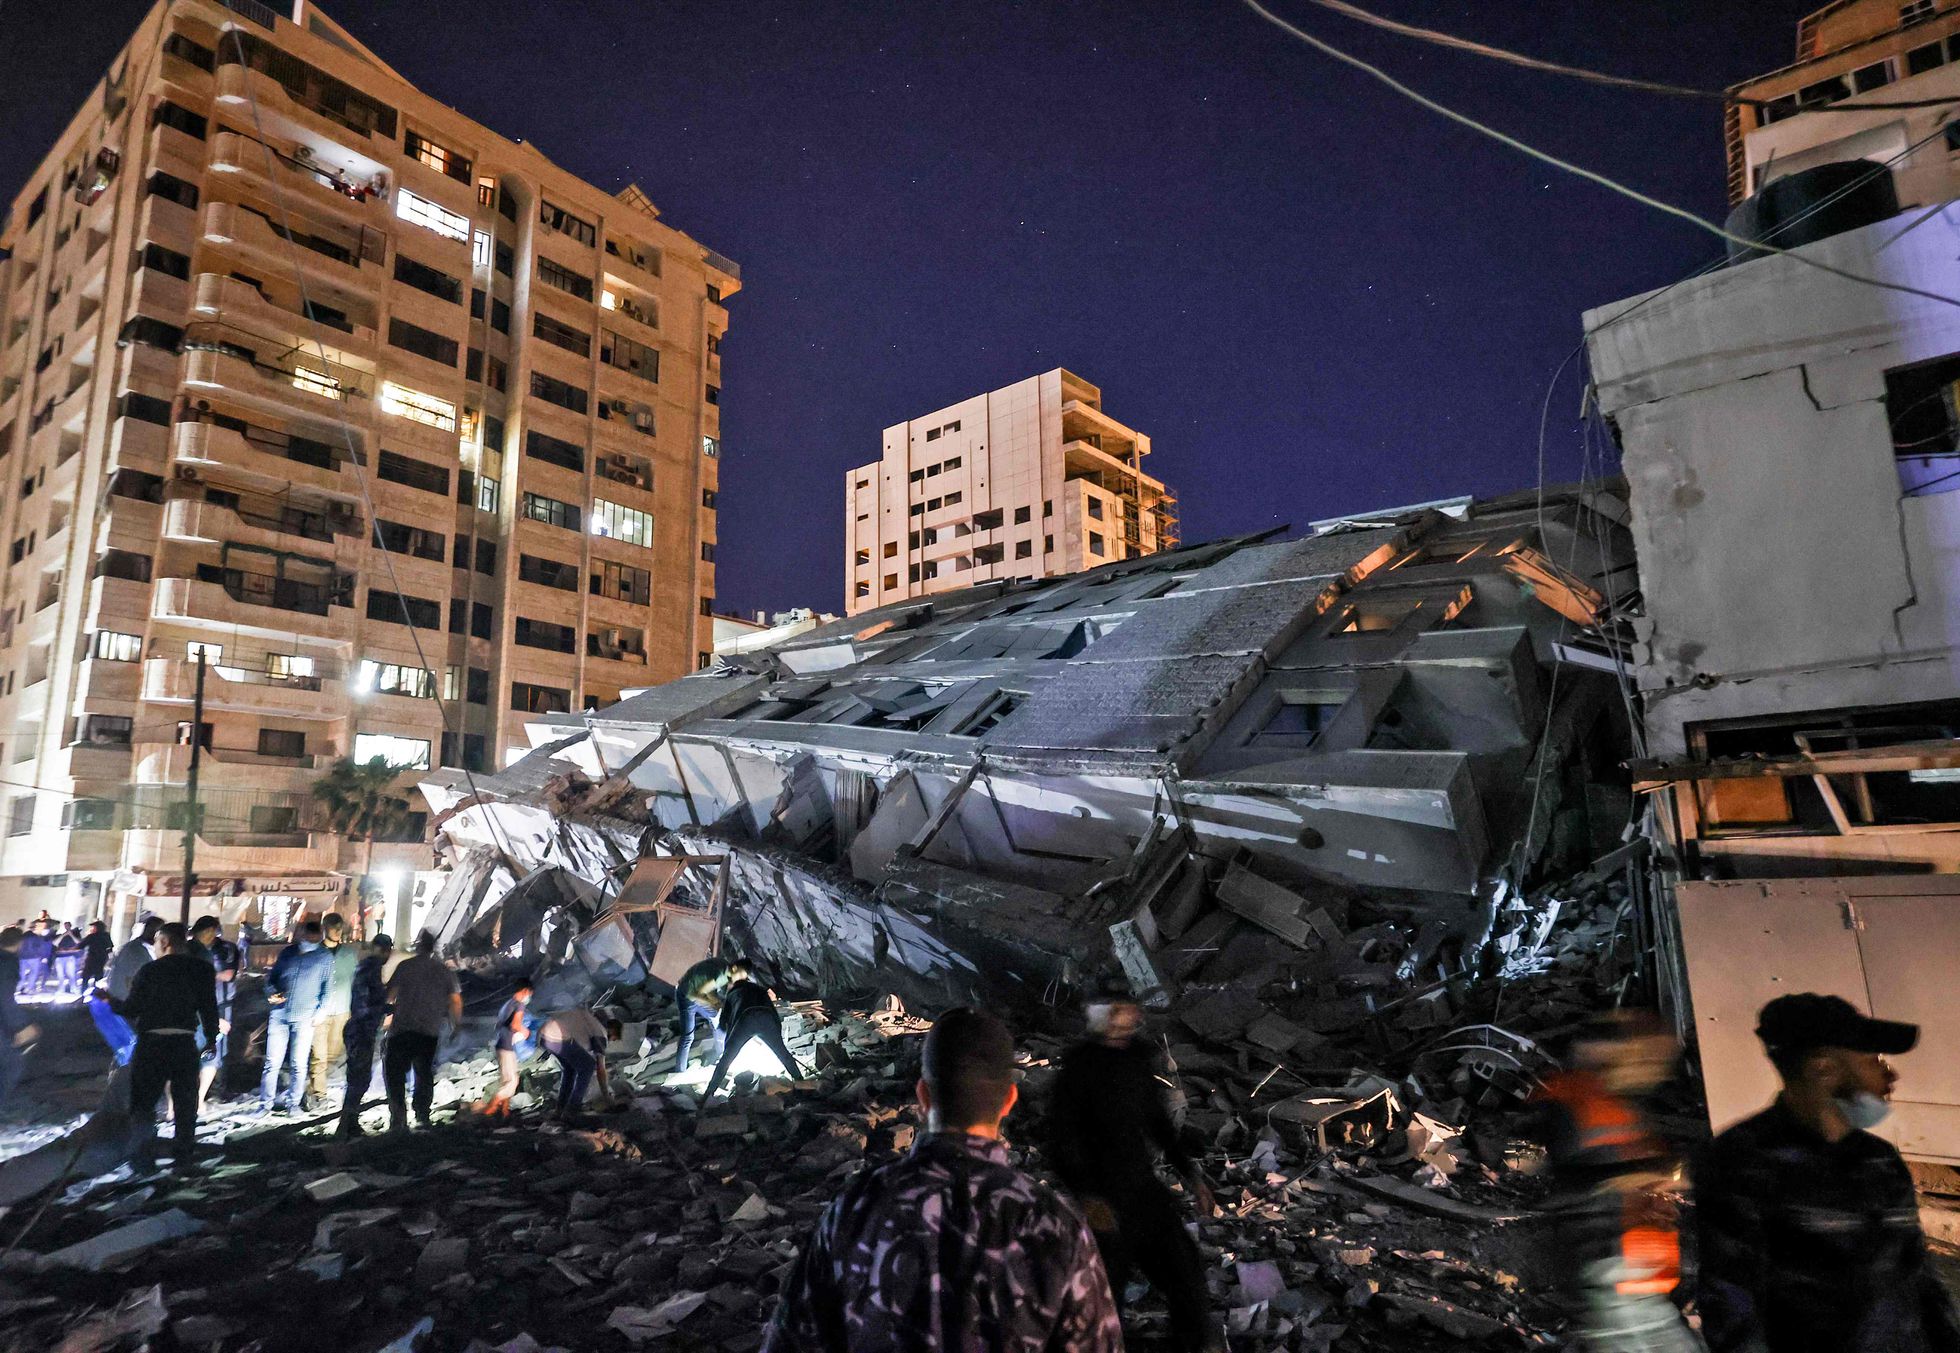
1375, 1190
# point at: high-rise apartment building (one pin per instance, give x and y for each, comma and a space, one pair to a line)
1899, 57
1027, 481
408, 432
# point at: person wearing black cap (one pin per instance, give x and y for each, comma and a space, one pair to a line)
950, 1248
1107, 1122
1808, 1225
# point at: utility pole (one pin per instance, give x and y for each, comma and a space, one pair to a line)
191, 812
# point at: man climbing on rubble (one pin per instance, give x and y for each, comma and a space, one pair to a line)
367, 1008
698, 994
330, 1029
577, 1040
173, 999
1809, 1228
1618, 1253
1107, 1120
514, 1043
951, 1249
748, 1011
295, 991
427, 1003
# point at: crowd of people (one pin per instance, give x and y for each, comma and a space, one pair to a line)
1805, 1223
58, 959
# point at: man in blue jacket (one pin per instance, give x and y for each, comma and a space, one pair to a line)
296, 991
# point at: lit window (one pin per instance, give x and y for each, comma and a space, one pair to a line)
316, 382
434, 216
401, 753
288, 667
480, 249
627, 524
407, 403
438, 157
114, 647
390, 678
711, 446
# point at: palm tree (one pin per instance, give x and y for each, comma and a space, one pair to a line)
360, 804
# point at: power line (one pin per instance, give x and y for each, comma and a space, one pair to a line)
1459, 44
1580, 171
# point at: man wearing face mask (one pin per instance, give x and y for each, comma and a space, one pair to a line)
1809, 1228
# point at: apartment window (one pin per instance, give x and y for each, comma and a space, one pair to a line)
1022, 515
112, 646
89, 815
567, 281
438, 157
554, 451
1875, 76
711, 447
172, 189
422, 342
145, 408
547, 572
916, 510
399, 752
1916, 11
862, 557
1096, 508
20, 815
1023, 549
486, 556
714, 394
1918, 61
105, 730
864, 589
288, 667
390, 678
397, 538
709, 499
544, 634
618, 522
621, 468
550, 511
562, 221
166, 261
554, 391
707, 551
1925, 421
418, 407
282, 742
489, 494
504, 261
478, 615
707, 606
480, 245
627, 645
419, 210
399, 469
953, 464
184, 49
473, 751
527, 698
561, 335
151, 333
400, 609
629, 356
622, 582
1048, 544
434, 281
169, 114
954, 497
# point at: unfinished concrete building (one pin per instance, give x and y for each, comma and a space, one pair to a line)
1172, 764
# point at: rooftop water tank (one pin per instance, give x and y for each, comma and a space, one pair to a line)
1813, 204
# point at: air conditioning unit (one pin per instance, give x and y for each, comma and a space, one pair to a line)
643, 420
303, 153
618, 406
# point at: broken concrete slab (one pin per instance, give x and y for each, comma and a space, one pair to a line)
125, 1242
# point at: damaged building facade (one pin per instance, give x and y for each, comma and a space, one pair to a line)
1175, 767
1791, 441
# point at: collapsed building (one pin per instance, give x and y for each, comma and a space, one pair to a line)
1362, 746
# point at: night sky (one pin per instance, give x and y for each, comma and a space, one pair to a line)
1315, 297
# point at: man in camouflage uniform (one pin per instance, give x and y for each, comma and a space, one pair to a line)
952, 1249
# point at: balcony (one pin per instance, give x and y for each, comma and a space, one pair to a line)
161, 850
175, 152
262, 454
116, 604
241, 85
247, 307
170, 764
278, 379
129, 525
346, 258
265, 523
260, 613
340, 190
173, 681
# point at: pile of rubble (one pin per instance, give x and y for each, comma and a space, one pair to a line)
1372, 1192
